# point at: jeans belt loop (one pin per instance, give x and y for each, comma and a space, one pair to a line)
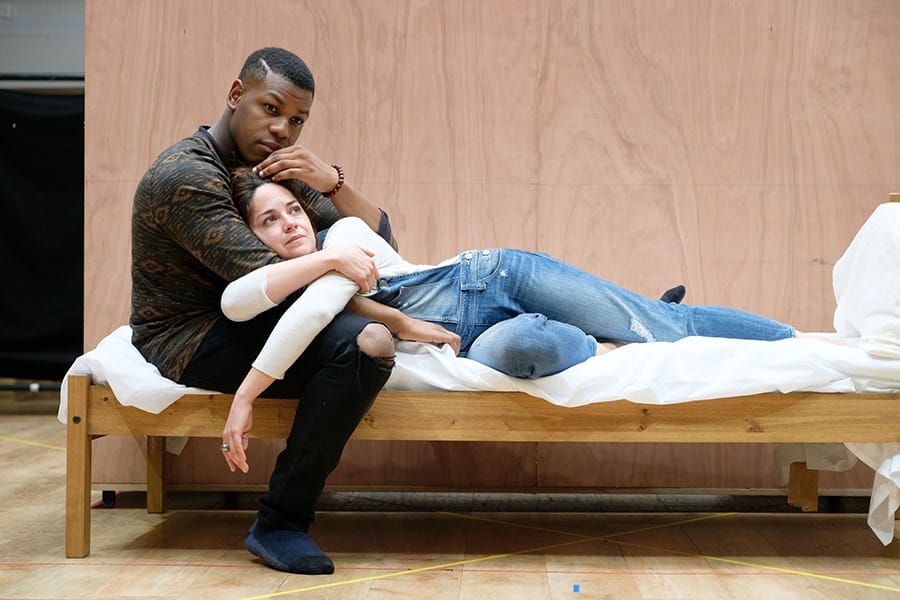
469, 278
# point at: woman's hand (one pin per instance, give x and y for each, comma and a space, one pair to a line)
414, 330
236, 434
355, 263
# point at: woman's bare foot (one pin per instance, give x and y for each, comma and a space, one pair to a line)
821, 338
604, 347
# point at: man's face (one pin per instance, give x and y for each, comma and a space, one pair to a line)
267, 115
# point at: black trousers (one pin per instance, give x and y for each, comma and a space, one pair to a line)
336, 383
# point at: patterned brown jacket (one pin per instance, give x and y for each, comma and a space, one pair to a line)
188, 243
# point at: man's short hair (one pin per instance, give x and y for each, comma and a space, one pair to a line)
280, 61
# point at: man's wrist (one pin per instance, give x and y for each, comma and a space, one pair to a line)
338, 185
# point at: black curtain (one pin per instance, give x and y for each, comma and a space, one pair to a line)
41, 233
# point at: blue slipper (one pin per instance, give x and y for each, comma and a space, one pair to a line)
286, 550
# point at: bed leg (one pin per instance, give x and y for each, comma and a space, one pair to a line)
156, 484
803, 487
78, 469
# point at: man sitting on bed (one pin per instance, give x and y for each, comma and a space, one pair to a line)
188, 242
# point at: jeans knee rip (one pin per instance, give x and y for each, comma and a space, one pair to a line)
638, 328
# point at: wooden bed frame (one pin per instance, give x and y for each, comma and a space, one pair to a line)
94, 411
801, 417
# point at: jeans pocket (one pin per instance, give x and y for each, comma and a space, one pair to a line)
436, 302
431, 295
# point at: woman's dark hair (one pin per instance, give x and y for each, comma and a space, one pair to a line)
244, 183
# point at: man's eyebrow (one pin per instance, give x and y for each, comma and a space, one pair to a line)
280, 101
274, 96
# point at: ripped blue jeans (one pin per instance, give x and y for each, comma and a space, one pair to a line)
487, 287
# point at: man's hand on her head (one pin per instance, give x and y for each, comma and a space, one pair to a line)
298, 162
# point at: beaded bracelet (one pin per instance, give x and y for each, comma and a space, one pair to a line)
338, 185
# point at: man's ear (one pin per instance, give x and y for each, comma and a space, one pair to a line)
235, 94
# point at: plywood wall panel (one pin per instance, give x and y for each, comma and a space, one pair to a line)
605, 113
732, 146
107, 250
719, 92
643, 236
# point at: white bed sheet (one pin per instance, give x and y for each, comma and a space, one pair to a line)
692, 369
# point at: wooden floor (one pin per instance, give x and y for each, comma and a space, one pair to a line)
490, 552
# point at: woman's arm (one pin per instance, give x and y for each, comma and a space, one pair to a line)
286, 277
350, 248
240, 419
320, 301
303, 320
268, 286
293, 333
403, 326
323, 299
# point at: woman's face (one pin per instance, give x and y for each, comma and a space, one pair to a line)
280, 222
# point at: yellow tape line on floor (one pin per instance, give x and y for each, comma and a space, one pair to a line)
29, 443
581, 539
742, 563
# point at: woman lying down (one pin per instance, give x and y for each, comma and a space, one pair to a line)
491, 305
